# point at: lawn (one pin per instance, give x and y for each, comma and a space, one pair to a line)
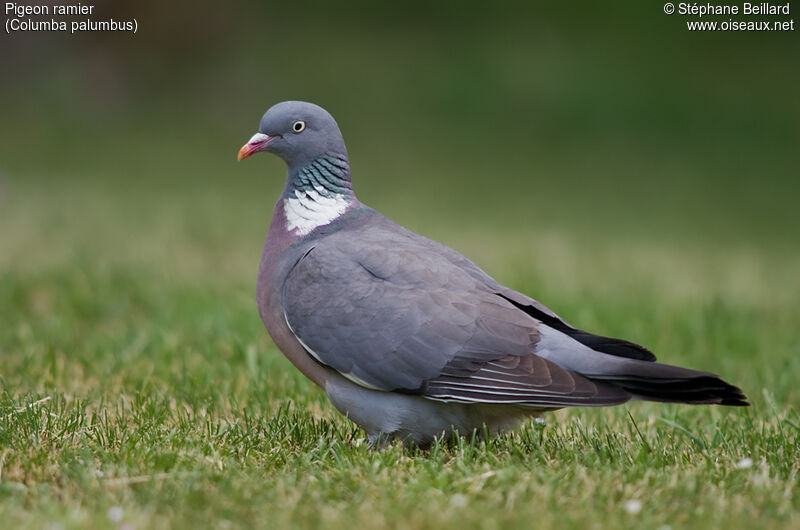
141, 391
640, 180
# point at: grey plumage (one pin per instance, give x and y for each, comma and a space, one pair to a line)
408, 337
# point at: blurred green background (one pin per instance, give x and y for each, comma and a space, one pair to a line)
584, 118
604, 125
641, 180
590, 155
518, 133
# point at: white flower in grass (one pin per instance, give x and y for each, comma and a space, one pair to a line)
633, 506
114, 514
458, 500
744, 463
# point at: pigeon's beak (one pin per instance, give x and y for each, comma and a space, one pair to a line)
254, 144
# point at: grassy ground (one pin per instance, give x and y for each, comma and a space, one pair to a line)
640, 180
139, 389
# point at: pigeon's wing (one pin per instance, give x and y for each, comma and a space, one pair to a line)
391, 312
539, 311
609, 345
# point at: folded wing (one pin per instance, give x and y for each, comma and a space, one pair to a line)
391, 314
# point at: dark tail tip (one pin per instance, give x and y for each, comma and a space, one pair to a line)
702, 390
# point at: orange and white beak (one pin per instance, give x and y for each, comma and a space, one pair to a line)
254, 144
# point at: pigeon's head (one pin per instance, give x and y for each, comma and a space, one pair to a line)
296, 131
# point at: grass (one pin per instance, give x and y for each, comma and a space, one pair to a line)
139, 389
638, 179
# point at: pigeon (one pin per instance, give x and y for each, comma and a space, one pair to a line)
407, 337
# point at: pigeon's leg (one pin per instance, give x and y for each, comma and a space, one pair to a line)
379, 440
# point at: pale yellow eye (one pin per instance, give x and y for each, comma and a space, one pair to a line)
299, 126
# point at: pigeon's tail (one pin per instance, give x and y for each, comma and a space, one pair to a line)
650, 381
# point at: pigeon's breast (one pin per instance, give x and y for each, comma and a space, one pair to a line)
282, 250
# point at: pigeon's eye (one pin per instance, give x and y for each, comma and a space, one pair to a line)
299, 126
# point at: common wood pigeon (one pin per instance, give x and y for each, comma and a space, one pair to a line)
407, 337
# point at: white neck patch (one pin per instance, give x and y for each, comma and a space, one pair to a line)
308, 210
